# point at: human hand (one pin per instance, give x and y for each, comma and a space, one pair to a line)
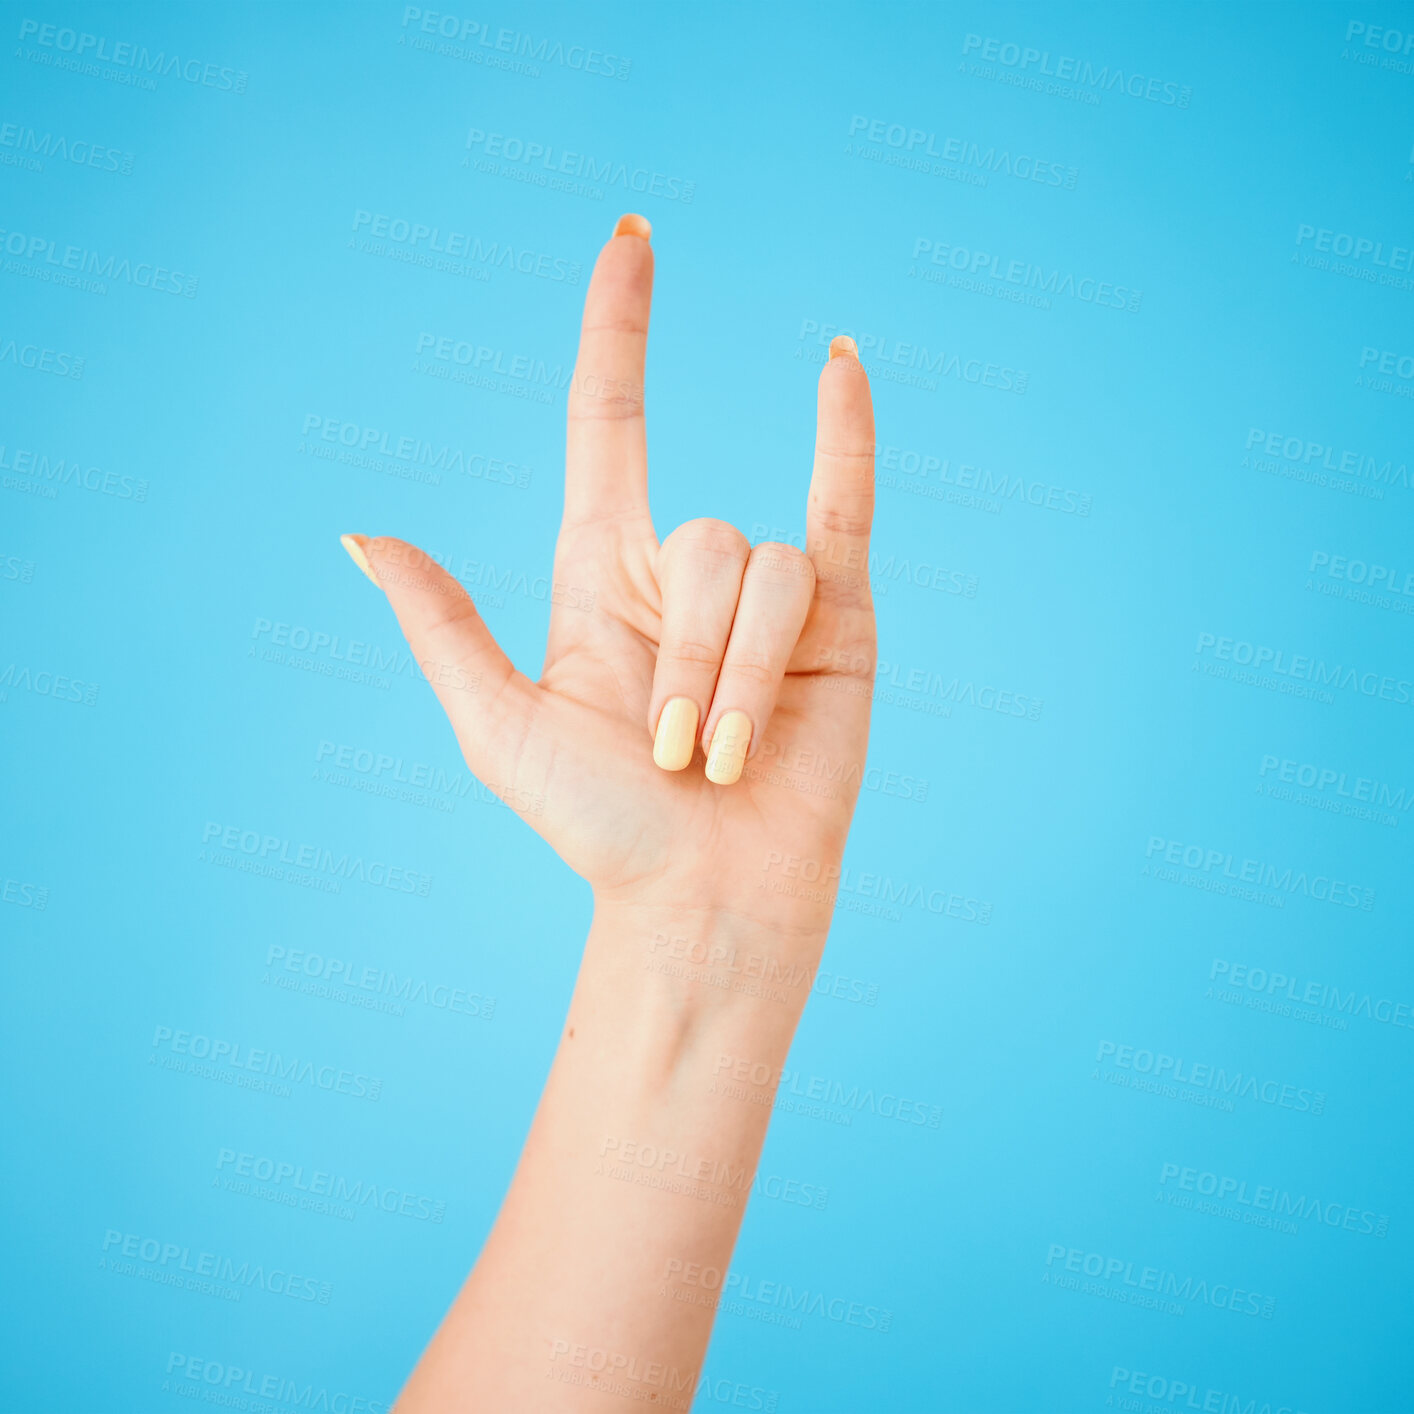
711, 710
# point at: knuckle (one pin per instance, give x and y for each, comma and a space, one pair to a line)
860, 451
613, 407
832, 520
752, 668
687, 653
786, 562
450, 624
841, 591
715, 538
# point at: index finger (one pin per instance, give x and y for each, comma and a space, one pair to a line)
840, 510
606, 455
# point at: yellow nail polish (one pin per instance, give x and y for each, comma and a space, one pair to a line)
729, 746
632, 224
676, 738
842, 344
354, 545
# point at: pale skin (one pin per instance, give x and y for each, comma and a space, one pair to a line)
595, 1283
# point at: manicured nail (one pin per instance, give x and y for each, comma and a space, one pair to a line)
842, 344
729, 744
354, 545
633, 224
677, 734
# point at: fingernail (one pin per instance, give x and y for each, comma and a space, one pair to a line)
842, 344
677, 734
632, 224
728, 754
354, 545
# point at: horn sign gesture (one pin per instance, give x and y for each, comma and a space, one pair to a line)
697, 737
645, 733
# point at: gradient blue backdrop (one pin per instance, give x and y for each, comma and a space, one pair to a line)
1192, 472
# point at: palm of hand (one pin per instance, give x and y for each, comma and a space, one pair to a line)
580, 741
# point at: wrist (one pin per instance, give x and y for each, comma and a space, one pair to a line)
711, 957
776, 894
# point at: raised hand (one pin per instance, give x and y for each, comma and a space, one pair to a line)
683, 725
703, 710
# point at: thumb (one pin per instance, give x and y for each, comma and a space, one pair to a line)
489, 704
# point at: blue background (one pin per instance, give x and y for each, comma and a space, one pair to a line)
178, 582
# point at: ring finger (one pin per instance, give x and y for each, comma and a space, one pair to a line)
775, 597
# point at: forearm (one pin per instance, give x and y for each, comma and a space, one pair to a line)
637, 1169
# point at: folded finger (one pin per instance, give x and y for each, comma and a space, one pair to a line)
700, 567
776, 591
